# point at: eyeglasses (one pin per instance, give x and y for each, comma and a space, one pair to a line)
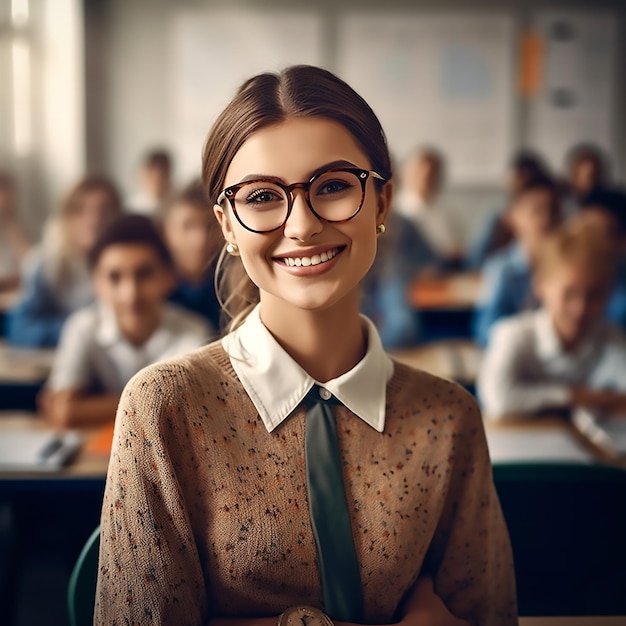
262, 205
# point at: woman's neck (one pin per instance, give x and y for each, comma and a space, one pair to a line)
326, 343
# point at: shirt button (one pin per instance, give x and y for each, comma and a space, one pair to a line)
325, 394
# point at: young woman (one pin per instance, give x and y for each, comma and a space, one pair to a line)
58, 281
215, 510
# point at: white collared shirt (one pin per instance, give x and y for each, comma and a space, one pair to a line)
276, 384
93, 351
525, 368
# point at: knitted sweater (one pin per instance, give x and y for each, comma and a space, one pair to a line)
206, 513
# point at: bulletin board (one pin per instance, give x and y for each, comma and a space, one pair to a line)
445, 80
576, 98
215, 51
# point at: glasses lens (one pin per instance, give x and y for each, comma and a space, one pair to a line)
261, 206
336, 195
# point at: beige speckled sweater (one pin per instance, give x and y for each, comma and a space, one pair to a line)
206, 513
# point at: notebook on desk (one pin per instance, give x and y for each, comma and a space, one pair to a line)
38, 451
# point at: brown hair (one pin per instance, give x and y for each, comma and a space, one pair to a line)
577, 243
267, 99
94, 182
130, 230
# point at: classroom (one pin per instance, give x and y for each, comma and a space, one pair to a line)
433, 316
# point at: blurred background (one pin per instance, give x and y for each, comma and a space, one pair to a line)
93, 85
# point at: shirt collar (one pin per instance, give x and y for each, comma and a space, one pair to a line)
276, 384
108, 333
549, 345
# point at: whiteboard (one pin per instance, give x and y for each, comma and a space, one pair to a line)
215, 51
445, 80
577, 94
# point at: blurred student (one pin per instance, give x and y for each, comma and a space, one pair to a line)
401, 257
587, 169
605, 210
496, 232
507, 290
564, 354
57, 281
194, 239
419, 201
14, 244
129, 326
155, 184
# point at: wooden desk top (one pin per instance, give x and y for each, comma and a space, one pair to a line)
456, 359
456, 291
535, 439
85, 465
24, 366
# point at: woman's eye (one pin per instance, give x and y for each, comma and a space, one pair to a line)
333, 186
263, 196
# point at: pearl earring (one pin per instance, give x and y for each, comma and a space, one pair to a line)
232, 249
381, 229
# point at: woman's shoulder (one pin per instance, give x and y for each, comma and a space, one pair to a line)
410, 387
207, 366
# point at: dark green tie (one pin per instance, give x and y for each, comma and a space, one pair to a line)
330, 519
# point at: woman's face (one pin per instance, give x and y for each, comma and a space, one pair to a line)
293, 151
94, 212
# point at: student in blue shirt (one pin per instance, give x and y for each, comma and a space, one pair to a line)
507, 275
194, 240
496, 233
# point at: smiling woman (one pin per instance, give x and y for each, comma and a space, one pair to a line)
293, 468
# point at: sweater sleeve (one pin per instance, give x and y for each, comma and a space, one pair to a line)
470, 554
149, 569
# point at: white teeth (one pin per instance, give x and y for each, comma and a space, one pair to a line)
316, 259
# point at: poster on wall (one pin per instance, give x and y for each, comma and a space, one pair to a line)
215, 51
575, 100
441, 80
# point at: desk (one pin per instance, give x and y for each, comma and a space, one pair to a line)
22, 373
51, 514
84, 468
456, 359
455, 291
566, 518
446, 304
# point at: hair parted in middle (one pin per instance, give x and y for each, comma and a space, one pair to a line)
271, 98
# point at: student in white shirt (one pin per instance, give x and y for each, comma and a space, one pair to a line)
564, 354
129, 327
155, 184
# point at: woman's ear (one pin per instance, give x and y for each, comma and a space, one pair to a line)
224, 223
385, 196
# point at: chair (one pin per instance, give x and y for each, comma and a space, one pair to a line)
566, 523
81, 593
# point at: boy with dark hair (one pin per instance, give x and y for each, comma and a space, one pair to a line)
129, 327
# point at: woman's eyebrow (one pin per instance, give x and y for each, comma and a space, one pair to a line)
319, 170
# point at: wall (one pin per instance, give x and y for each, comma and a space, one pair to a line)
128, 60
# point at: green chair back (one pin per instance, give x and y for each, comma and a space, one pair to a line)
81, 593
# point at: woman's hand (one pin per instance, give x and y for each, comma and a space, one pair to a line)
426, 608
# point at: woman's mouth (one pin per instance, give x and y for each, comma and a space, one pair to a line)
307, 261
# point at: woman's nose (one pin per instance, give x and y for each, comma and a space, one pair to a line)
302, 223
